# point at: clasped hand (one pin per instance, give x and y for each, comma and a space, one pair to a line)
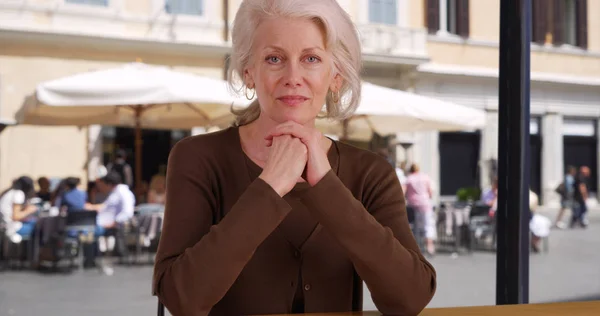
293, 148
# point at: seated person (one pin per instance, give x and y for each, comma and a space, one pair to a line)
158, 192
270, 216
73, 199
118, 206
44, 192
115, 210
57, 193
489, 196
94, 194
16, 211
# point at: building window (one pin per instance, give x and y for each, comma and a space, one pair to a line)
103, 3
448, 16
187, 7
540, 19
451, 16
560, 22
383, 11
570, 23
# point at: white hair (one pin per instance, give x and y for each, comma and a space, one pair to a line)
341, 39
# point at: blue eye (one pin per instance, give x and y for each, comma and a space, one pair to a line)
273, 59
313, 59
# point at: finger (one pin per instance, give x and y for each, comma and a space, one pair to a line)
285, 127
279, 134
307, 134
275, 132
297, 131
277, 139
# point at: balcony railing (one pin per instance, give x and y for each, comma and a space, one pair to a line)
376, 39
393, 40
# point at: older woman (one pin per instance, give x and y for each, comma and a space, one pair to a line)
272, 217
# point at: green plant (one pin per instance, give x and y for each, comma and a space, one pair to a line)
468, 194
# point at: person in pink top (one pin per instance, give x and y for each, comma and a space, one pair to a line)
419, 192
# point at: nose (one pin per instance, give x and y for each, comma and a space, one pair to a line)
293, 75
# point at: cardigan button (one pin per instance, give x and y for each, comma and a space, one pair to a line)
307, 287
296, 254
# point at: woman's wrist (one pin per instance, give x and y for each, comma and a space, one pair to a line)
273, 183
320, 174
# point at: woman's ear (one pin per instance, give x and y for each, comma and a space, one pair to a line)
248, 79
336, 83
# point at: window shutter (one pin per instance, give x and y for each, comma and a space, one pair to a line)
558, 23
433, 16
540, 21
462, 19
581, 20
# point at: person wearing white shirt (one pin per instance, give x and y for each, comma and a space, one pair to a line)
117, 209
118, 206
15, 210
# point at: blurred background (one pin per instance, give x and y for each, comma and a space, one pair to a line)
430, 100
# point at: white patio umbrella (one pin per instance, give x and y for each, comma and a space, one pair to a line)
389, 111
135, 95
4, 123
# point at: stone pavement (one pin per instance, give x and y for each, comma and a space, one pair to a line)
570, 271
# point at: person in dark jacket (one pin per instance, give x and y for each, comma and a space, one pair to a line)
122, 168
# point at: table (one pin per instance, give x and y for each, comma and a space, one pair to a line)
571, 309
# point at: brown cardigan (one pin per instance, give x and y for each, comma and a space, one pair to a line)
231, 246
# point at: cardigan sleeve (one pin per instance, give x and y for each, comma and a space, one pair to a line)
377, 237
197, 260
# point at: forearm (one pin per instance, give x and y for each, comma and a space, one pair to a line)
20, 213
192, 282
400, 280
93, 207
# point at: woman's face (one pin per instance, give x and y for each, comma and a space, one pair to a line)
44, 184
291, 70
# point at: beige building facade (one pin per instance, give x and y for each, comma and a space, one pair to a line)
446, 49
42, 40
463, 44
48, 39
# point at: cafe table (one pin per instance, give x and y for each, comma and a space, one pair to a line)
568, 309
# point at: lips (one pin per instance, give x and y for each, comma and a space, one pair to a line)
292, 100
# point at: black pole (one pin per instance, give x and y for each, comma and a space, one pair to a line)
512, 262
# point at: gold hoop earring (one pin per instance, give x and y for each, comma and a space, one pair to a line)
253, 93
335, 97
